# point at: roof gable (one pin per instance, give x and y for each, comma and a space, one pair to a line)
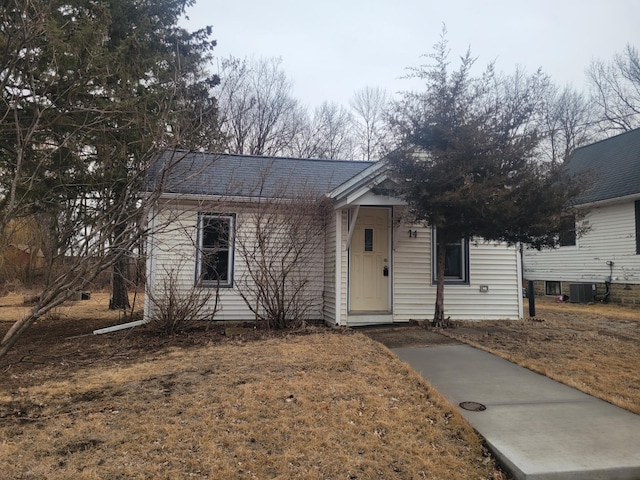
198, 173
614, 164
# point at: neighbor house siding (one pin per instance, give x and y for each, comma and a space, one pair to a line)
174, 254
611, 237
492, 265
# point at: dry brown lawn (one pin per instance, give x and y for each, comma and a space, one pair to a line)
595, 348
324, 404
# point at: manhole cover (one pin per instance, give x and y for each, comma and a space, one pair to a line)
473, 406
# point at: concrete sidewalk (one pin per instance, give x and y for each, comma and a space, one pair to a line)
538, 428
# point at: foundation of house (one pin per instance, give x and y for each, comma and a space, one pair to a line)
620, 293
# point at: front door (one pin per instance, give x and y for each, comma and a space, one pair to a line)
369, 264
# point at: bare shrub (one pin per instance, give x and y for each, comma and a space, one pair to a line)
176, 309
280, 243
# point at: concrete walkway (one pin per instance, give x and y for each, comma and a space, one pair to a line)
538, 428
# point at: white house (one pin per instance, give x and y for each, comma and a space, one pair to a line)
609, 250
369, 266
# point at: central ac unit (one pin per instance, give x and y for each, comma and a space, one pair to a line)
581, 293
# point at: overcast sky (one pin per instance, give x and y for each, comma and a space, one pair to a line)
331, 48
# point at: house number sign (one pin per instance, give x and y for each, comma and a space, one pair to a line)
413, 233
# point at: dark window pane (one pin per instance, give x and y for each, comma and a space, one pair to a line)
453, 261
215, 232
215, 253
568, 232
368, 239
215, 266
552, 288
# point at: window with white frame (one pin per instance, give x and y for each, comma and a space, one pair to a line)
214, 255
567, 236
456, 263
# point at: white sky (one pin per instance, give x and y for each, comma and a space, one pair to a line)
331, 48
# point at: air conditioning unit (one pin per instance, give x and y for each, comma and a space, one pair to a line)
581, 292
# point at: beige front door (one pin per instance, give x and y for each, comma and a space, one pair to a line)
369, 264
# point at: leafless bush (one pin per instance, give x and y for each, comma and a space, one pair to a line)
280, 242
176, 309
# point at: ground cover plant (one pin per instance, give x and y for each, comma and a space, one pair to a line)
318, 404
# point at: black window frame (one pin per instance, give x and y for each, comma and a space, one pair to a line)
463, 245
202, 251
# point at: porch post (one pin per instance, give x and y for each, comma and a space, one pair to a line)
338, 274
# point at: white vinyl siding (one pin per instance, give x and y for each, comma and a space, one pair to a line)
611, 238
174, 253
490, 265
329, 310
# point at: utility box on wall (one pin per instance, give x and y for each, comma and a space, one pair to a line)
581, 292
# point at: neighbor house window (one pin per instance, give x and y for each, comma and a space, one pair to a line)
214, 257
456, 263
568, 231
552, 288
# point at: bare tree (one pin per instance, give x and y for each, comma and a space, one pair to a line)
371, 105
280, 244
616, 90
567, 123
257, 111
327, 135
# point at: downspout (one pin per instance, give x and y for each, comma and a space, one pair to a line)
520, 275
150, 281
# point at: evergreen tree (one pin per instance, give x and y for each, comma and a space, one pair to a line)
467, 164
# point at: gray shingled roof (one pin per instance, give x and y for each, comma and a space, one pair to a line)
248, 176
613, 166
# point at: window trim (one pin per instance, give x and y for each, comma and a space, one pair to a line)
637, 209
547, 283
465, 262
231, 218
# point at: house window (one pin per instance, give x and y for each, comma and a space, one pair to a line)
214, 258
456, 263
568, 231
368, 239
637, 227
552, 288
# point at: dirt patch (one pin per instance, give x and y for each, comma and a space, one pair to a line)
407, 336
63, 342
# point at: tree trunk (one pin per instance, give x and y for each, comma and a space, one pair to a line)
438, 316
11, 337
119, 293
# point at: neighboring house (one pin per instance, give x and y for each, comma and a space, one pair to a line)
609, 250
370, 267
19, 261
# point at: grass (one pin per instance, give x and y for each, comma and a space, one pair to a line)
324, 405
594, 348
